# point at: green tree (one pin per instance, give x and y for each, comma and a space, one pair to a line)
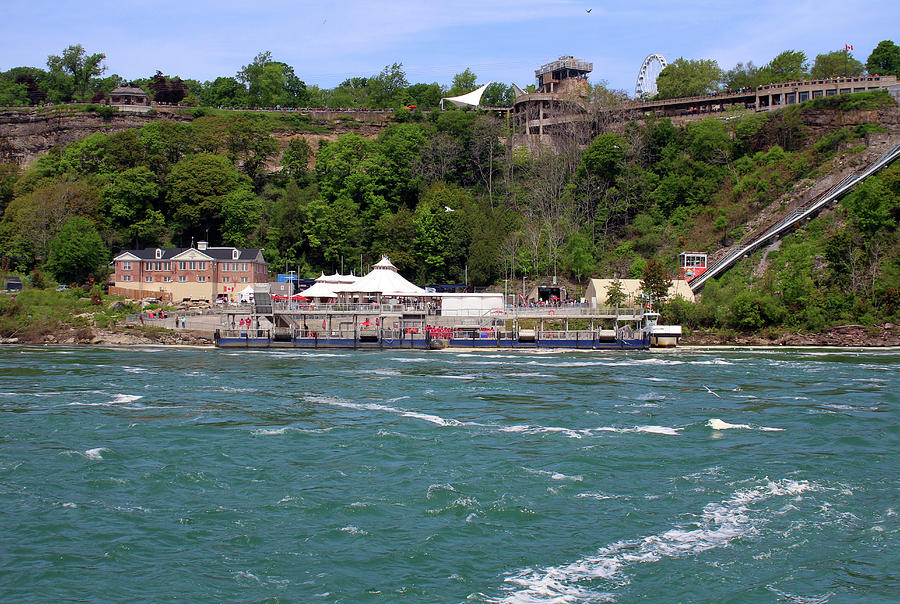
197, 188
742, 76
76, 252
885, 59
615, 294
687, 77
242, 213
839, 63
788, 66
73, 71
498, 95
462, 83
388, 88
249, 143
604, 158
223, 92
656, 281
129, 196
13, 94
295, 159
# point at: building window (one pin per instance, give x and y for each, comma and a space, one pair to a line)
202, 266
147, 266
244, 266
182, 265
243, 279
126, 265
224, 279
167, 279
201, 278
126, 278
167, 266
192, 265
148, 279
182, 278
159, 253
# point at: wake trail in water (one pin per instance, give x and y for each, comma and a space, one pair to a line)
522, 429
719, 524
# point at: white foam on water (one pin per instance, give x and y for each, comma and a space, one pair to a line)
119, 399
436, 488
456, 377
658, 430
271, 431
718, 525
69, 504
555, 475
95, 453
718, 424
450, 422
353, 530
599, 496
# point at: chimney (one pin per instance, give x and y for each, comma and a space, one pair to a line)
201, 245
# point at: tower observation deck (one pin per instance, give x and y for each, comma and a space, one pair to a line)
563, 75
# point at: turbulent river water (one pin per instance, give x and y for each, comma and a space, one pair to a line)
149, 474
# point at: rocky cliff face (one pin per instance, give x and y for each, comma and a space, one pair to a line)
25, 135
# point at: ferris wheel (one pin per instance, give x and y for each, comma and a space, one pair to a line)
650, 69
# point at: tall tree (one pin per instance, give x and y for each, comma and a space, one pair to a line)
885, 59
73, 72
839, 63
77, 251
687, 77
788, 66
462, 83
742, 76
387, 88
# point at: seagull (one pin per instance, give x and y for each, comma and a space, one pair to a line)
711, 392
589, 10
448, 209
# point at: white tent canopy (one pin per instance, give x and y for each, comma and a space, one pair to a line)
319, 290
384, 280
470, 99
246, 294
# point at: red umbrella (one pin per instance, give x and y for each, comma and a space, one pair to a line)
300, 298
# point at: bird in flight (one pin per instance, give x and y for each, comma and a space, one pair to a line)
589, 10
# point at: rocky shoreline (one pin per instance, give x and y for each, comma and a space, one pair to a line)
847, 336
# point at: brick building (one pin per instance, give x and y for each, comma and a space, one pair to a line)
177, 274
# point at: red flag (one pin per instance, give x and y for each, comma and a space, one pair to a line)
848, 46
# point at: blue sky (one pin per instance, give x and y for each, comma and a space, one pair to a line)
500, 40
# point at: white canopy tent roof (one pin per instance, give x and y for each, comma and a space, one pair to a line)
470, 99
319, 290
384, 280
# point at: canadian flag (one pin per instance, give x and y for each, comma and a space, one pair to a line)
848, 46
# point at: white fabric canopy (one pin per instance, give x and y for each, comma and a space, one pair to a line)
319, 290
384, 279
470, 99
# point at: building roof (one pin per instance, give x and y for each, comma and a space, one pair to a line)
168, 253
133, 90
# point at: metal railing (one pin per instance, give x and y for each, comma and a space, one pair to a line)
786, 223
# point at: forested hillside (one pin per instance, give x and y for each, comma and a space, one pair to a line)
446, 196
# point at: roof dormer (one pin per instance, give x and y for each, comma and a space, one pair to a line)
159, 253
235, 254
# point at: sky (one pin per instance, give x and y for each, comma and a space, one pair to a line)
499, 40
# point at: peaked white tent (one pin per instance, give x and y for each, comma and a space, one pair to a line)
246, 294
384, 280
470, 99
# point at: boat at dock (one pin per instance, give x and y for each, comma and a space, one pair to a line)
423, 327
